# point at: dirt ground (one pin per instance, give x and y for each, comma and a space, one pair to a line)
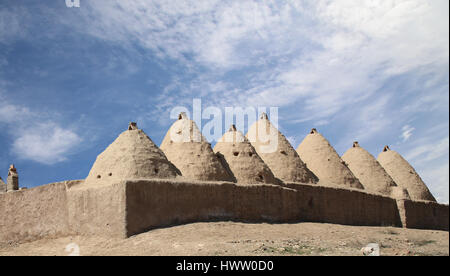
245, 239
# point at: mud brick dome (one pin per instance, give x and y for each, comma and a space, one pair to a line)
404, 174
237, 154
133, 155
186, 147
367, 169
283, 160
323, 160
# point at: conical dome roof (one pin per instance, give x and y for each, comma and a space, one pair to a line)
367, 169
243, 161
133, 155
404, 175
323, 160
188, 150
276, 151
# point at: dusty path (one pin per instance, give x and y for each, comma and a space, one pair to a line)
229, 238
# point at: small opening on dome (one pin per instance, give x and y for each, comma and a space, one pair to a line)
261, 177
156, 171
250, 154
283, 152
110, 174
386, 148
99, 176
235, 153
355, 144
313, 131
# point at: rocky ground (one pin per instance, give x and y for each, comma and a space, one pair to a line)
230, 238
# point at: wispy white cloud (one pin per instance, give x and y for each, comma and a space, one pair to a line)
45, 143
407, 132
424, 153
428, 152
11, 113
366, 68
327, 55
35, 136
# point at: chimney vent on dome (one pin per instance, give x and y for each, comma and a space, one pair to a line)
182, 116
132, 126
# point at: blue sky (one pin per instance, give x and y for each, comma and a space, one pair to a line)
72, 78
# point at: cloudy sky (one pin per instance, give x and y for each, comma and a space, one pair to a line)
72, 78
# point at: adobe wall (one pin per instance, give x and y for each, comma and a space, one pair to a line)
152, 204
130, 207
424, 214
34, 213
97, 210
345, 206
158, 203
